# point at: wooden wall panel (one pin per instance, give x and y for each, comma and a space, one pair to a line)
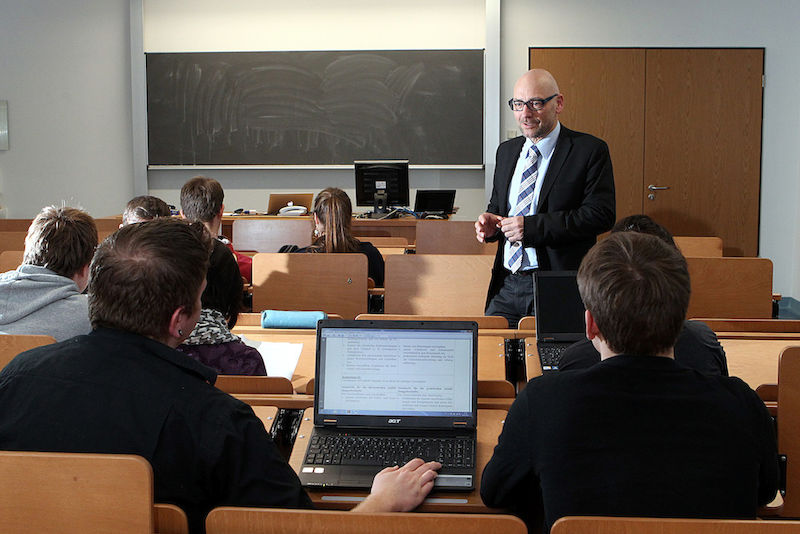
689, 119
703, 140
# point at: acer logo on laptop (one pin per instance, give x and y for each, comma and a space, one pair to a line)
394, 421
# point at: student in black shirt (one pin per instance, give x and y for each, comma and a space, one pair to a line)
636, 434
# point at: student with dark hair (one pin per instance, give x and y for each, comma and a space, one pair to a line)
202, 201
43, 295
333, 220
144, 208
644, 225
211, 342
636, 434
697, 346
124, 388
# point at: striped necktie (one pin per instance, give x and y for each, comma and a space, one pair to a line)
524, 201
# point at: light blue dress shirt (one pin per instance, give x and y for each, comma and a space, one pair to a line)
546, 147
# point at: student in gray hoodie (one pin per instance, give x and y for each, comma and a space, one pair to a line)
43, 295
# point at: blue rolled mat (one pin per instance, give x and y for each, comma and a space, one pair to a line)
291, 319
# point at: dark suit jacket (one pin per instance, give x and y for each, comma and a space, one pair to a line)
576, 202
634, 436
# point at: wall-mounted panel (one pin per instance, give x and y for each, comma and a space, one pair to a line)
315, 108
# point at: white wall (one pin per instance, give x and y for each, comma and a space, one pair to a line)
64, 69
689, 23
209, 25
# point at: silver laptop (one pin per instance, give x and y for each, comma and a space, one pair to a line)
390, 391
559, 315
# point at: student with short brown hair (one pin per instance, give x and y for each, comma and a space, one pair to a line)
156, 268
633, 273
202, 201
636, 434
43, 295
211, 342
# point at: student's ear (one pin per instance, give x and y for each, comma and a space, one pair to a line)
182, 215
179, 326
221, 210
591, 326
81, 277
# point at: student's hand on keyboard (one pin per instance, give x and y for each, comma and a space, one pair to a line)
400, 489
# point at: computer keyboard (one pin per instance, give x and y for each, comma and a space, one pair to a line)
347, 449
550, 355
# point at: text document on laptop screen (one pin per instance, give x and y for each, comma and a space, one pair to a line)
396, 372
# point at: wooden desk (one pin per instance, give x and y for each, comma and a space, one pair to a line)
753, 356
491, 355
754, 360
490, 423
404, 227
308, 337
491, 364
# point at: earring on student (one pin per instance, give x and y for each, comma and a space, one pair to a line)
316, 232
180, 332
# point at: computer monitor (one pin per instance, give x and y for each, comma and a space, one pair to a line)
381, 184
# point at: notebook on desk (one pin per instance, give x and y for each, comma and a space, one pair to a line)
389, 391
559, 315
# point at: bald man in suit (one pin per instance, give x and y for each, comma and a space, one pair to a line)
553, 194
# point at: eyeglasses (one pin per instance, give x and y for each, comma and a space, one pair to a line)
534, 104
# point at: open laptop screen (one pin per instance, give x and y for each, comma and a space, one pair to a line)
384, 369
559, 308
435, 200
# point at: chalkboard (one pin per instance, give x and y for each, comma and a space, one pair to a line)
315, 108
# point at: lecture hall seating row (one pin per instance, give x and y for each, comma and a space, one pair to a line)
722, 287
337, 283
442, 284
80, 493
268, 234
76, 493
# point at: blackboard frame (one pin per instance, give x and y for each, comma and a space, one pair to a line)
323, 109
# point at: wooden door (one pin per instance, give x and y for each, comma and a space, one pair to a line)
687, 119
703, 141
604, 93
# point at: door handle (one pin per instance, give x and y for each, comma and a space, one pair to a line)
652, 187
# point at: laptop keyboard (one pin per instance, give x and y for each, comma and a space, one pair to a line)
346, 449
550, 356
